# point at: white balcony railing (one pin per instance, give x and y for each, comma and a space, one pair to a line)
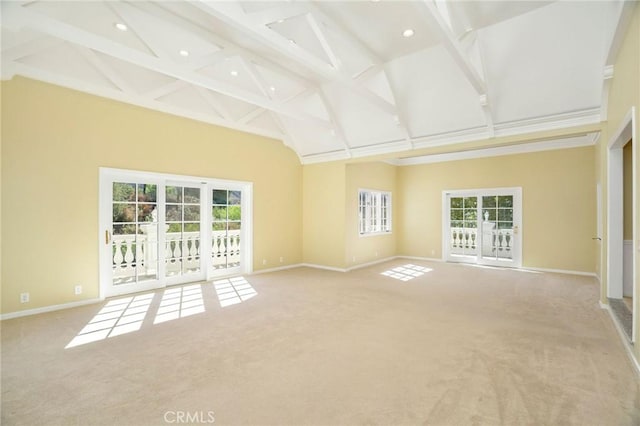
497, 243
136, 255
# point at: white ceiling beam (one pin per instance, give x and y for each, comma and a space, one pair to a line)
235, 16
317, 30
257, 78
165, 89
338, 129
128, 15
251, 115
277, 13
104, 69
453, 46
31, 47
214, 103
63, 31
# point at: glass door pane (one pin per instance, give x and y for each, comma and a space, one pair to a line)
134, 230
463, 226
497, 227
226, 225
182, 232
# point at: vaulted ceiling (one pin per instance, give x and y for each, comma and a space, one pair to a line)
334, 79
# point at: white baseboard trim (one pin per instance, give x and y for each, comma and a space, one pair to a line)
628, 346
426, 259
328, 268
276, 269
561, 271
375, 262
51, 308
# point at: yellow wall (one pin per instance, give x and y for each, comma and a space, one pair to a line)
323, 214
558, 203
628, 191
53, 142
365, 249
624, 94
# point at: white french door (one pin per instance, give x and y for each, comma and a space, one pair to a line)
483, 226
158, 230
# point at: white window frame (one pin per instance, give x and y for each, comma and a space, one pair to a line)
371, 220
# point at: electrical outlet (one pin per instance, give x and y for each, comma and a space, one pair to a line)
78, 289
281, 259
376, 253
354, 258
24, 297
264, 261
433, 252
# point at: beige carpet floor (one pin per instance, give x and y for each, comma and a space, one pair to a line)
457, 345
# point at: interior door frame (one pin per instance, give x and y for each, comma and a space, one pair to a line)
107, 175
615, 211
478, 259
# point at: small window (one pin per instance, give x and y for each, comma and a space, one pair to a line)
374, 210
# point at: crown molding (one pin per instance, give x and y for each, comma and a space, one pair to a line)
564, 143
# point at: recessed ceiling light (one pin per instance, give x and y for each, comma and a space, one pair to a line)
272, 88
234, 73
120, 26
184, 53
408, 33
292, 41
280, 21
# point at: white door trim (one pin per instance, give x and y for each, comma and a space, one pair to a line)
517, 221
615, 213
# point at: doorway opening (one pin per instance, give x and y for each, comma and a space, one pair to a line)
621, 267
158, 230
483, 226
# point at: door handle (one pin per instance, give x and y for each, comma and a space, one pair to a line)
515, 229
107, 237
597, 238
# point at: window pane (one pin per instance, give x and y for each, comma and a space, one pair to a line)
234, 212
505, 214
471, 225
234, 226
219, 196
219, 226
191, 213
146, 193
505, 201
191, 227
173, 213
192, 195
124, 213
489, 201
470, 214
173, 194
456, 203
470, 202
219, 213
492, 214
124, 229
174, 227
146, 213
235, 197
124, 191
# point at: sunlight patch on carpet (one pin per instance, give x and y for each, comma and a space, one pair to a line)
232, 291
117, 317
406, 272
179, 303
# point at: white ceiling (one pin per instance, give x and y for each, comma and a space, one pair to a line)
332, 79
